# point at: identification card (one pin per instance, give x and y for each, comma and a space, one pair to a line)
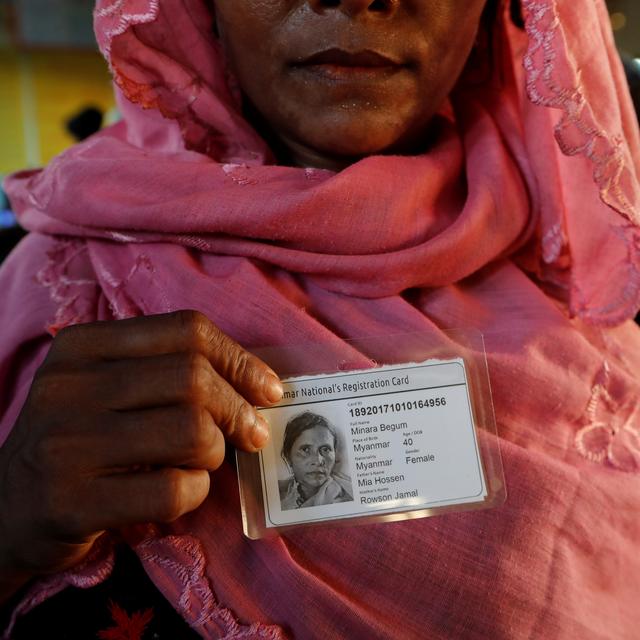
390, 439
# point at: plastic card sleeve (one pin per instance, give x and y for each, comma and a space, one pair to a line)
374, 430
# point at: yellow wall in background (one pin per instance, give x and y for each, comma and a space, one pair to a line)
40, 91
12, 146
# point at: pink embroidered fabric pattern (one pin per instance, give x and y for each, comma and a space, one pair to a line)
611, 435
520, 220
182, 559
93, 570
74, 297
557, 78
578, 132
189, 90
118, 16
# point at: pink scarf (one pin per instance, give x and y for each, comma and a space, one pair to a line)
521, 221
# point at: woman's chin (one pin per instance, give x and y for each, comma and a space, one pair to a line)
354, 141
331, 150
336, 144
315, 481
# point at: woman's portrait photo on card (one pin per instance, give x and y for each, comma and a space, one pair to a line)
315, 463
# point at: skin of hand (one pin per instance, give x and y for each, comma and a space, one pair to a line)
329, 114
122, 425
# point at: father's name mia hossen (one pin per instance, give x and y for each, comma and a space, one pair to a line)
384, 463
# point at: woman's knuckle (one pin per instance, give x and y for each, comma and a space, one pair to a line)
241, 417
207, 431
186, 318
69, 339
194, 376
240, 366
217, 449
171, 503
202, 441
196, 328
196, 430
65, 336
185, 416
216, 341
47, 384
40, 392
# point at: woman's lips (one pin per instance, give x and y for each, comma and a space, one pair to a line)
344, 66
339, 57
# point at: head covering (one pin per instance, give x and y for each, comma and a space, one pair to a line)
549, 189
520, 220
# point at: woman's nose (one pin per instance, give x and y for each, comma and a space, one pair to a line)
355, 7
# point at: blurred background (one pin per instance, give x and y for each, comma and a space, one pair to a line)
50, 71
56, 88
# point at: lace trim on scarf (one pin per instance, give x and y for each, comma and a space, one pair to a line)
611, 436
626, 304
94, 569
182, 559
75, 298
120, 303
578, 132
117, 17
122, 19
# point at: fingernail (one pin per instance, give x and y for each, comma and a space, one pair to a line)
260, 432
273, 387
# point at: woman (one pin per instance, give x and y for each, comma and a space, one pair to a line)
309, 451
317, 170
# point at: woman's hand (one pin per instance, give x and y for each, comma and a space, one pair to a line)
123, 424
